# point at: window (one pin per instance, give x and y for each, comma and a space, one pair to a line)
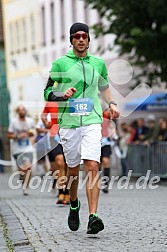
32, 25
43, 26
86, 14
14, 44
62, 19
74, 11
11, 38
17, 37
52, 20
24, 29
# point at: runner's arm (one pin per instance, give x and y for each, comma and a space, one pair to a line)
107, 96
51, 95
11, 135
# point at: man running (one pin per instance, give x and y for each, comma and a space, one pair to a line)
75, 80
21, 129
55, 150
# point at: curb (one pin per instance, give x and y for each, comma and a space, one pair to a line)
14, 231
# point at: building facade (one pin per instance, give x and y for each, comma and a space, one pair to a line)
22, 36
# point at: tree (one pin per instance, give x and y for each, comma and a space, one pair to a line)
140, 28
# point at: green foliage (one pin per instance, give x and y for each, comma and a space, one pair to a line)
5, 234
140, 28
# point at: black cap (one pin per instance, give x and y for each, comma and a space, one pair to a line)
78, 27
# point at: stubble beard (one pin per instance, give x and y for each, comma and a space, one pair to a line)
22, 116
81, 50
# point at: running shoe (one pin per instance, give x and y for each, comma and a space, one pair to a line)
95, 224
60, 199
25, 192
73, 217
105, 190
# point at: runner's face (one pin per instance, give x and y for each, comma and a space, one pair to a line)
21, 112
80, 43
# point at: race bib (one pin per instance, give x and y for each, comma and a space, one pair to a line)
81, 106
23, 142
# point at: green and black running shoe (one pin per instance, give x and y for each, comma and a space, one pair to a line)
95, 224
73, 217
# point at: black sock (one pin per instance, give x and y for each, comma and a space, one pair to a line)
66, 191
61, 191
106, 172
74, 203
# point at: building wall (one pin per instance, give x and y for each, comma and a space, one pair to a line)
55, 35
56, 19
4, 94
23, 41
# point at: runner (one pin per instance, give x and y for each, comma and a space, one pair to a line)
21, 129
75, 80
56, 156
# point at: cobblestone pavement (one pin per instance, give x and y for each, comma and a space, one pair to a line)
135, 220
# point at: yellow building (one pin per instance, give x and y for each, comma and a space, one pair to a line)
22, 46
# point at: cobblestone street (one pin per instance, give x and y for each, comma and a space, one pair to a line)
135, 220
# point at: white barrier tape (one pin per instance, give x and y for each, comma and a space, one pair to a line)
5, 162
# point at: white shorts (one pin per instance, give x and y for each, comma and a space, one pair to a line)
81, 143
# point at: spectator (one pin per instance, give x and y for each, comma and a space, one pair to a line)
153, 130
162, 136
141, 131
132, 132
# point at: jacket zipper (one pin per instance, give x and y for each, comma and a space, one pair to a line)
84, 87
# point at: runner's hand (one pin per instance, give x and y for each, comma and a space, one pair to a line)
23, 135
47, 125
69, 93
114, 112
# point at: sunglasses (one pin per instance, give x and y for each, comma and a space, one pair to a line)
78, 35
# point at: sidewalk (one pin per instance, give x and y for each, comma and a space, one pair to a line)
135, 220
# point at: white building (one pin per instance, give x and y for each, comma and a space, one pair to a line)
22, 42
56, 18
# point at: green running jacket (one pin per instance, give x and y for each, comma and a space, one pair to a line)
88, 75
